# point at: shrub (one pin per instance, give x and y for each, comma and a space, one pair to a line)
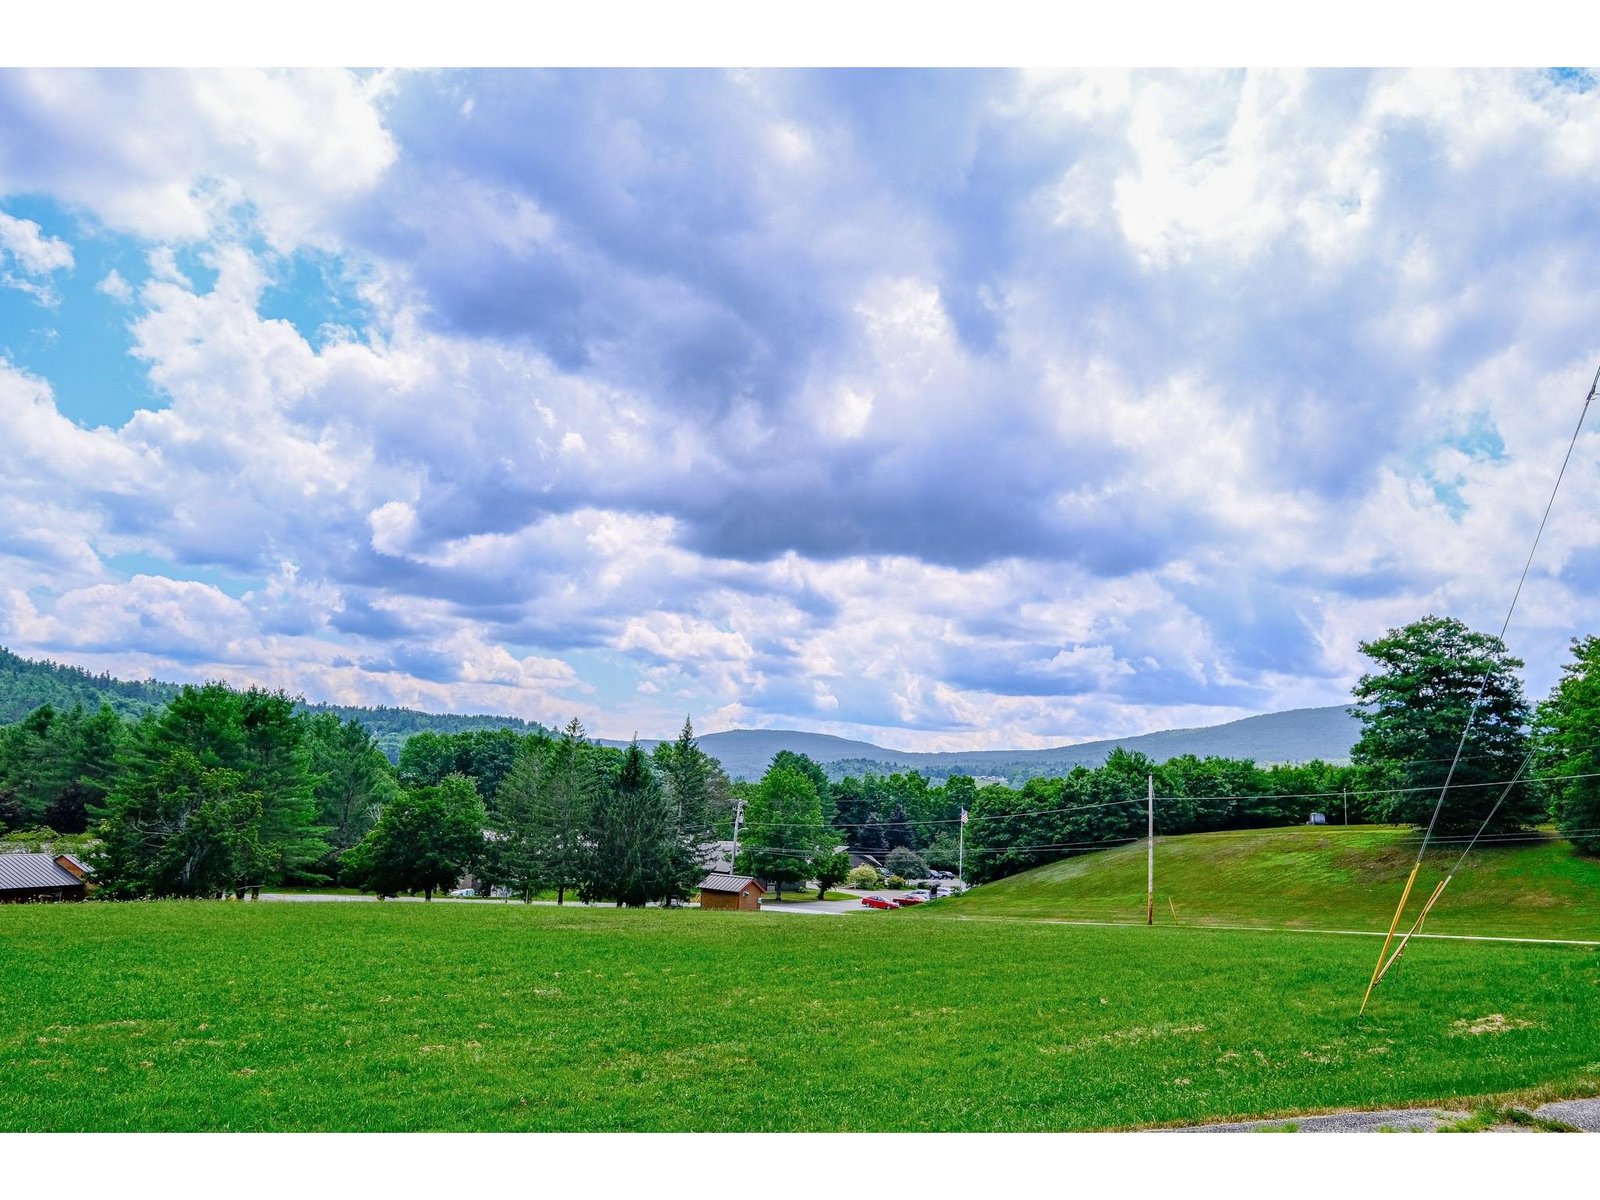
863, 877
894, 881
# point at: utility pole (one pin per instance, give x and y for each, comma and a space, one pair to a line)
1150, 857
961, 848
738, 816
1347, 806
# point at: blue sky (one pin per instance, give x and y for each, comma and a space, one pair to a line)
944, 409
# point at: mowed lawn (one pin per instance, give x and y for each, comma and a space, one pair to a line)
1312, 877
208, 1016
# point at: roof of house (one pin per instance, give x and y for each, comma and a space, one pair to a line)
20, 872
728, 883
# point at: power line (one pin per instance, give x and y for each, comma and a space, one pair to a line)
1046, 812
1515, 596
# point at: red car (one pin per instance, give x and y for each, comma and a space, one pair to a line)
878, 902
913, 898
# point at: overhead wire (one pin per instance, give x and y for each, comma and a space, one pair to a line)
1044, 812
1384, 962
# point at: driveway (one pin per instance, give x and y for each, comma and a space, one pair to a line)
832, 907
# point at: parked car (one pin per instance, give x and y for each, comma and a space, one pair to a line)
463, 892
941, 875
913, 898
879, 902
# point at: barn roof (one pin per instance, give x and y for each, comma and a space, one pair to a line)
24, 871
728, 883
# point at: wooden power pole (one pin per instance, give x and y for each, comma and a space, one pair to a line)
1150, 856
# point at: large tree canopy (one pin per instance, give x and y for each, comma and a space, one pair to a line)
214, 792
1568, 727
427, 838
1413, 710
784, 830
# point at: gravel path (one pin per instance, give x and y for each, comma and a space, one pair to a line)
1584, 1114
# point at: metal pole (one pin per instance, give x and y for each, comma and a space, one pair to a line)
1347, 806
961, 848
738, 815
1150, 857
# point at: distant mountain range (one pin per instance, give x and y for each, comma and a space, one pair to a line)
1294, 736
1298, 735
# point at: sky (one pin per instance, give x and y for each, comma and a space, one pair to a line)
943, 409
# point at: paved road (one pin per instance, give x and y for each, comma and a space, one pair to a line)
1584, 1114
835, 908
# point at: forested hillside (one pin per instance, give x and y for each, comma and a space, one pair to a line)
1299, 735
26, 684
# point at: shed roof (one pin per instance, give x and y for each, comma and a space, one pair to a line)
19, 872
728, 883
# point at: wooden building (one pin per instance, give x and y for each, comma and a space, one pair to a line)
25, 877
731, 891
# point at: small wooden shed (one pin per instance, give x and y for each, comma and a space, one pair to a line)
33, 877
731, 891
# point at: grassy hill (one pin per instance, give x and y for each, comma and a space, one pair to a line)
1309, 877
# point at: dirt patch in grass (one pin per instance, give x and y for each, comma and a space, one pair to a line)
1493, 1023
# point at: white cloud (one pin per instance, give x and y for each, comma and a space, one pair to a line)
24, 249
30, 250
115, 286
174, 155
1111, 403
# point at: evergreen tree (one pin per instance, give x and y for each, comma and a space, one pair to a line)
699, 791
195, 831
1567, 727
898, 831
78, 766
567, 801
1413, 711
222, 776
516, 850
633, 834
22, 748
353, 781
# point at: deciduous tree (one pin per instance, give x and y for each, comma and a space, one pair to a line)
1413, 710
1567, 726
426, 839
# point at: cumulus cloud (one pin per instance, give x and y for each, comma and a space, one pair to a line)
176, 156
28, 258
952, 409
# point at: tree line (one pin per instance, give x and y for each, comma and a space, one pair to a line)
222, 788
28, 684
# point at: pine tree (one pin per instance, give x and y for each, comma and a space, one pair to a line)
699, 791
515, 855
352, 781
217, 777
633, 834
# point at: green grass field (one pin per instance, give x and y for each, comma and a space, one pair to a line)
1310, 877
209, 1016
